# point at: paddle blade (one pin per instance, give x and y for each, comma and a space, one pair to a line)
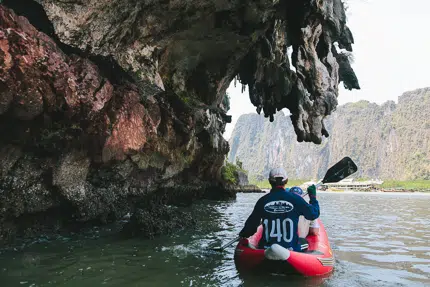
344, 168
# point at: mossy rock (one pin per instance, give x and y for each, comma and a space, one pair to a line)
233, 174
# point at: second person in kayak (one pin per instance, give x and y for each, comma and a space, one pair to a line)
279, 211
305, 227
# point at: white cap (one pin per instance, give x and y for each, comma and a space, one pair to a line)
278, 172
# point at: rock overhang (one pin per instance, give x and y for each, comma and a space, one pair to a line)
107, 101
198, 47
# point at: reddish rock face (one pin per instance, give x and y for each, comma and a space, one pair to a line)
75, 142
37, 76
131, 128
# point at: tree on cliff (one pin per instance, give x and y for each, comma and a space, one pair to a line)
226, 102
239, 163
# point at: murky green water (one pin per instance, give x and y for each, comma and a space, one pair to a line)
378, 240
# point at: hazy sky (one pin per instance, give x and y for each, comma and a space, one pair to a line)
391, 52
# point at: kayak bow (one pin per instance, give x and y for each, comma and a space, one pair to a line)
317, 260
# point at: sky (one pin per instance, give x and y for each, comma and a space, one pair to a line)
391, 53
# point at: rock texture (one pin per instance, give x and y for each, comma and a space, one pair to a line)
389, 141
82, 145
197, 47
105, 102
242, 178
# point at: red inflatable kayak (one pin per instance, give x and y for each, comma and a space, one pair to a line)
317, 260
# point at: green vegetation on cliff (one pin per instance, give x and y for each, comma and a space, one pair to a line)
230, 172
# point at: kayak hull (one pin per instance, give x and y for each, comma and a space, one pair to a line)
318, 260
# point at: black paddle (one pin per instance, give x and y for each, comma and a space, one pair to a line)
341, 170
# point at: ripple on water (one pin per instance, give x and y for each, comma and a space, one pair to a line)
424, 268
375, 276
395, 258
362, 249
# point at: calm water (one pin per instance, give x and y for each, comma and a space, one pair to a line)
378, 240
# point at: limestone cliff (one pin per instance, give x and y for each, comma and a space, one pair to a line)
389, 141
106, 102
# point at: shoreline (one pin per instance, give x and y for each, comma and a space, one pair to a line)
367, 192
377, 192
386, 186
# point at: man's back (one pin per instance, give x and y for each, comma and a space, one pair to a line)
279, 212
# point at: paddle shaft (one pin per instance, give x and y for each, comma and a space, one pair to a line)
318, 184
227, 244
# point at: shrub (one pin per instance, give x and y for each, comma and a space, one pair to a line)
226, 102
229, 173
239, 163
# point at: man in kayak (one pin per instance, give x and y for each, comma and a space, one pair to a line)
279, 212
305, 227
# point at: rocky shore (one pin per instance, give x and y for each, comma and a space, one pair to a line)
249, 189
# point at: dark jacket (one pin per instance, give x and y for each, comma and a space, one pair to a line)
279, 211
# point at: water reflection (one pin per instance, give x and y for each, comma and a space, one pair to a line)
378, 240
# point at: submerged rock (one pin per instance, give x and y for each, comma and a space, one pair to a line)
249, 188
104, 102
157, 220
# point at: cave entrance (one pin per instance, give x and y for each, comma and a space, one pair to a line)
240, 104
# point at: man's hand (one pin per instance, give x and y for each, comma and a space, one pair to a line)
312, 191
